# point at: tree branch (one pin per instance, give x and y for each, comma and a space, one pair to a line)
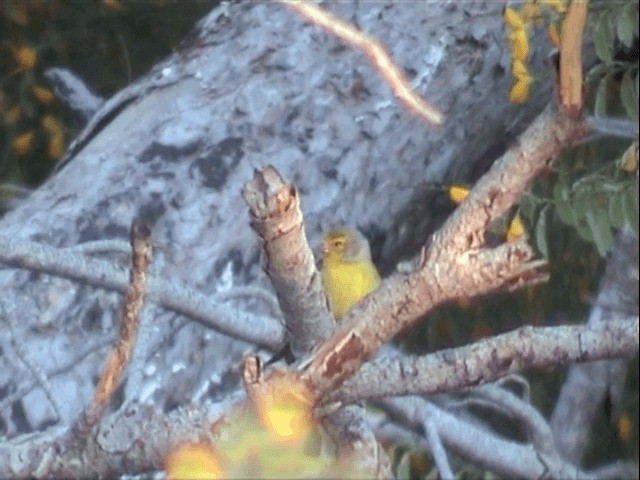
477, 444
258, 329
490, 359
277, 219
457, 264
586, 385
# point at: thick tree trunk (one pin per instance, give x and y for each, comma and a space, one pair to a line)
253, 85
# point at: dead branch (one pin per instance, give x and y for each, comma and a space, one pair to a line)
277, 219
120, 355
375, 52
571, 58
258, 329
490, 359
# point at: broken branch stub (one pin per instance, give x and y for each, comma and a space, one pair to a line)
276, 217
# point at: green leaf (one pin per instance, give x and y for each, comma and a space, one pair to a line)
631, 207
626, 27
596, 72
634, 19
616, 210
600, 230
527, 206
541, 233
581, 202
584, 231
562, 203
628, 96
600, 107
603, 37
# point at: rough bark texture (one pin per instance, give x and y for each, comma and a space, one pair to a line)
253, 85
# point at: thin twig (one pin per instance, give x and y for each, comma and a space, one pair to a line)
36, 370
121, 353
27, 387
375, 52
525, 413
258, 329
437, 449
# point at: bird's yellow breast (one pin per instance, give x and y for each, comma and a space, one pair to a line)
345, 283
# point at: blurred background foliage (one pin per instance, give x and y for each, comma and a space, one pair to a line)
108, 43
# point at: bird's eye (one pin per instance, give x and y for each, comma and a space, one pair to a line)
338, 243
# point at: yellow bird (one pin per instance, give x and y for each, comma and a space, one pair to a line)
347, 271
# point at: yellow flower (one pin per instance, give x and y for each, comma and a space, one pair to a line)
519, 92
25, 57
347, 271
516, 229
22, 143
519, 45
513, 19
625, 427
55, 146
457, 193
519, 70
50, 124
43, 95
